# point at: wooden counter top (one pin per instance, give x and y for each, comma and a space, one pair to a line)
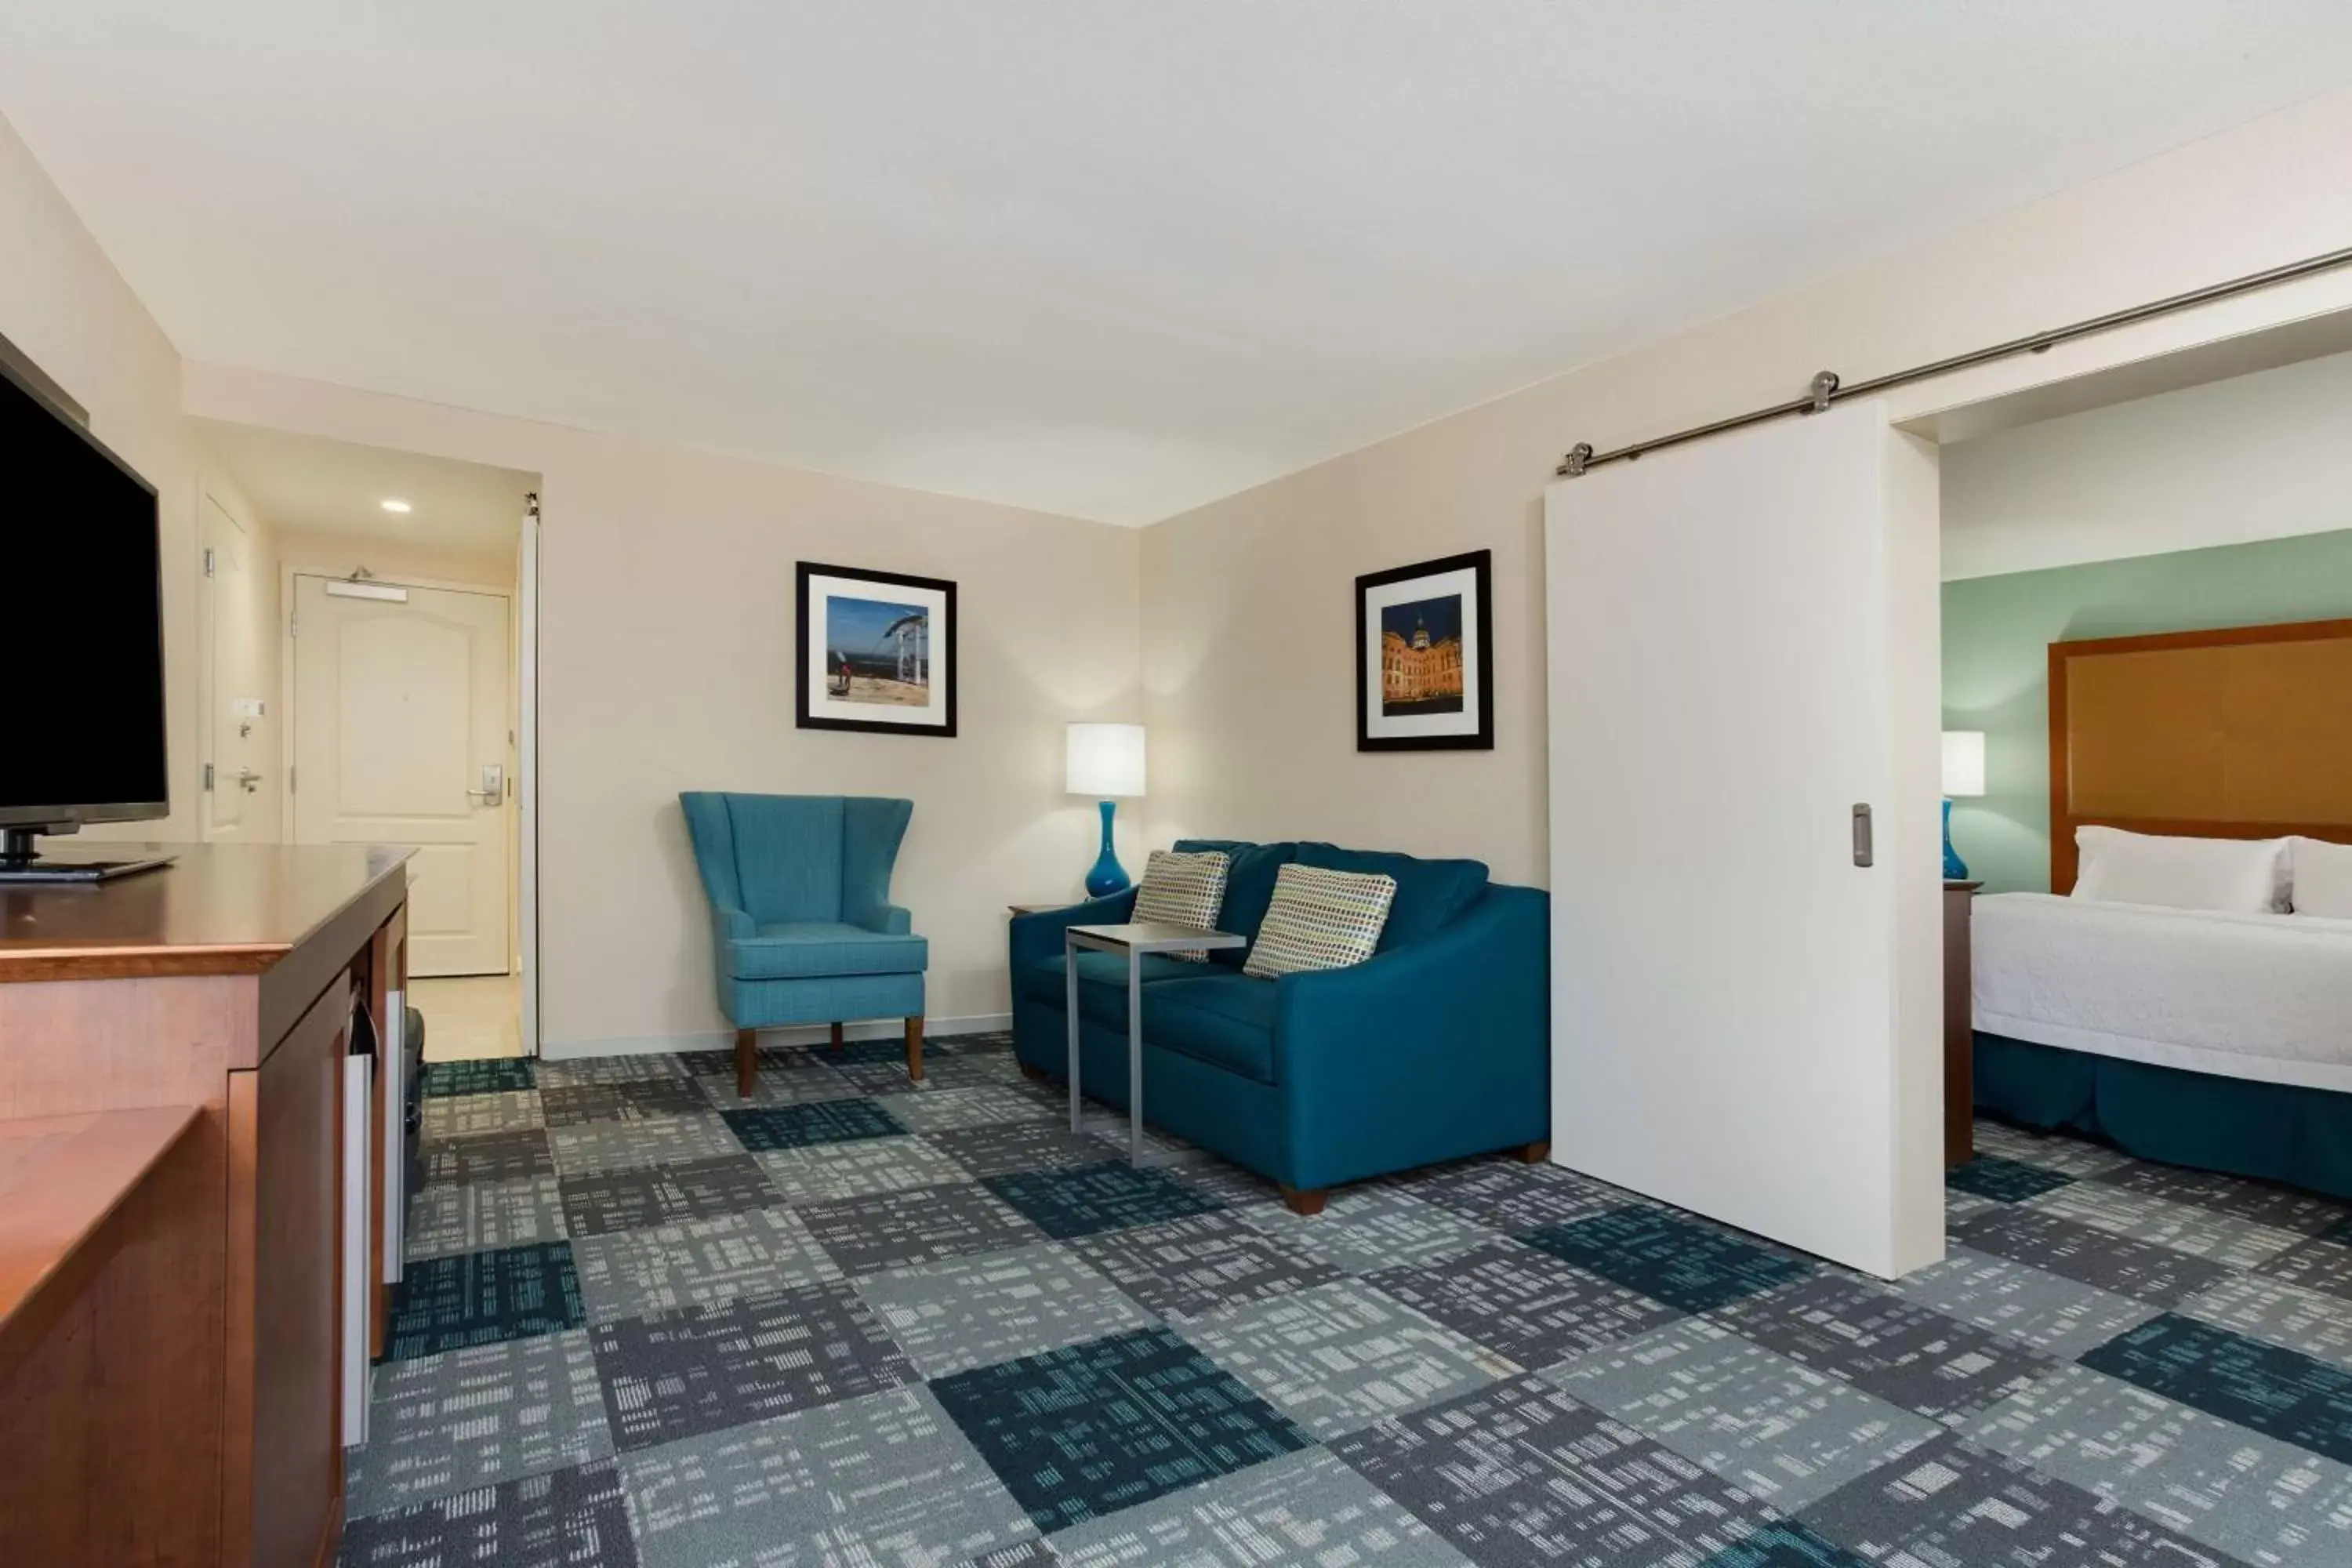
220, 909
61, 1178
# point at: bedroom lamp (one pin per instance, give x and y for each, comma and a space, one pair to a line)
1964, 777
1105, 760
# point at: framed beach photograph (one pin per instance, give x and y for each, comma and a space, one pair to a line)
877, 652
1424, 656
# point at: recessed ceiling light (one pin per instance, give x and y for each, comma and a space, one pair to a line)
394, 504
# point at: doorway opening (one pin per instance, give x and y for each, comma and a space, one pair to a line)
368, 678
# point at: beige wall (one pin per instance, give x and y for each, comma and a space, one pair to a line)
666, 659
1248, 603
241, 632
339, 554
62, 303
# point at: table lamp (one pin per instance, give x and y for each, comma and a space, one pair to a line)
1106, 760
1964, 776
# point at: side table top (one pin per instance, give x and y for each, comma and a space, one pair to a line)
1153, 936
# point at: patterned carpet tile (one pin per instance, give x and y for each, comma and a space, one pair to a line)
648, 1321
704, 1369
882, 1479
2059, 1316
1341, 1356
2264, 1388
1779, 1432
1952, 1506
1089, 1198
1520, 1474
1680, 1261
1306, 1508
963, 1313
2230, 1239
1081, 1433
462, 1116
635, 1099
566, 1519
2147, 1271
1181, 1268
1002, 1148
2320, 1326
2248, 1497
918, 1225
697, 1263
763, 1128
477, 1217
1506, 1196
488, 1157
827, 1172
1378, 1228
2004, 1180
497, 1076
1913, 1358
587, 1149
1524, 1304
481, 1298
612, 1201
468, 1418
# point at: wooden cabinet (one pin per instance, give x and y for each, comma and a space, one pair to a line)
226, 983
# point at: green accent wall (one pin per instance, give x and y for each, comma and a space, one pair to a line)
1997, 637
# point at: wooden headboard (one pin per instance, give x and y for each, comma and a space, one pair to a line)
2240, 733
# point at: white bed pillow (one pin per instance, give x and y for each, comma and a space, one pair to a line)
2238, 876
2322, 877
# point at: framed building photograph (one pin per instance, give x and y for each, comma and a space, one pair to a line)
1424, 656
877, 652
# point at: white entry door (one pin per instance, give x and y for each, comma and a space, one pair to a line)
1743, 652
400, 737
236, 627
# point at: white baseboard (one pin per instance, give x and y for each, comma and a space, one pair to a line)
724, 1040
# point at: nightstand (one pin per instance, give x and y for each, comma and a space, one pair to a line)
1960, 1028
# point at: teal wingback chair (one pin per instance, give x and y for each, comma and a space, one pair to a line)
801, 925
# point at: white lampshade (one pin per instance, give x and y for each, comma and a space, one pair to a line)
1106, 760
1964, 767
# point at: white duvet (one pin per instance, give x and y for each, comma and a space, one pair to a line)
2255, 996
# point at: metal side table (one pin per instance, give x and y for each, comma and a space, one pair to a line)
1135, 941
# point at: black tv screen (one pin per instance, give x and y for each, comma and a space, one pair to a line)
81, 626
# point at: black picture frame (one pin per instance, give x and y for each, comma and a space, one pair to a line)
1477, 730
941, 642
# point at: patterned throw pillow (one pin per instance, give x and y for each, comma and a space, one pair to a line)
1320, 919
1183, 890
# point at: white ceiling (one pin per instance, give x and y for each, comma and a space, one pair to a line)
340, 487
1101, 257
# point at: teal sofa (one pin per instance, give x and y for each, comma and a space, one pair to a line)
803, 930
1437, 1047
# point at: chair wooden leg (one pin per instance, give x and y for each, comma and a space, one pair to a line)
1035, 1075
1534, 1154
915, 1047
747, 1062
836, 1036
1310, 1201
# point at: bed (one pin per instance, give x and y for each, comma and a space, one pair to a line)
2217, 1040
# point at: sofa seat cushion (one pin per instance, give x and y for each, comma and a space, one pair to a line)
1225, 1020
822, 950
1102, 982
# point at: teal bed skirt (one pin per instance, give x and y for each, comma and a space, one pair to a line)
2274, 1131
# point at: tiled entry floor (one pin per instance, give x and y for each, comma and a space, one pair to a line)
854, 1324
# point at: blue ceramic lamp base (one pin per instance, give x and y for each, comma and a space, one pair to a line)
1955, 868
1109, 877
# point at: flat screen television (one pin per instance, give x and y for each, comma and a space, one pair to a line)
81, 634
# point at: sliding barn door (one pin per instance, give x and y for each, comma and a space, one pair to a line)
1744, 661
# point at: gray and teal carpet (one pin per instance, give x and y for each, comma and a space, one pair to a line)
853, 1324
